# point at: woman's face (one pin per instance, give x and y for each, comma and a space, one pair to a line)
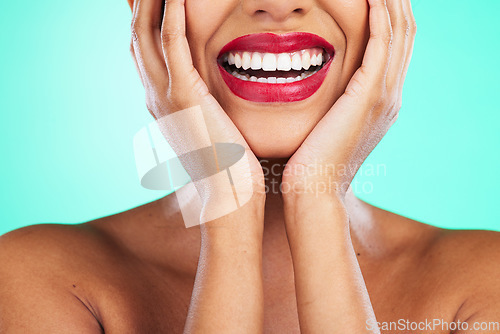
276, 129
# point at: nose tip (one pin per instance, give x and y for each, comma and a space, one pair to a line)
277, 10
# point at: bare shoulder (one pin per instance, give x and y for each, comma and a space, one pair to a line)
467, 264
454, 274
84, 278
47, 237
469, 252
459, 253
39, 270
471, 257
55, 246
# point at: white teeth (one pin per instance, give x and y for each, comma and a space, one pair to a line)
319, 59
237, 60
269, 62
306, 60
313, 60
246, 60
284, 62
297, 62
256, 63
300, 60
272, 80
239, 76
230, 59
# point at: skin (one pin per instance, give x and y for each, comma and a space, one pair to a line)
295, 261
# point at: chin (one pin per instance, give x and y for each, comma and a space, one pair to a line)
277, 135
271, 150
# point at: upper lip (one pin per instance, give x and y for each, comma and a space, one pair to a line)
274, 43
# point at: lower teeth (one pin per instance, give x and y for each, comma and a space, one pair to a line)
273, 80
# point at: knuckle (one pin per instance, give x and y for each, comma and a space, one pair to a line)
150, 109
384, 101
388, 36
379, 3
406, 27
397, 106
377, 100
136, 29
152, 105
395, 22
413, 27
393, 119
407, 31
398, 23
385, 37
379, 104
355, 88
169, 37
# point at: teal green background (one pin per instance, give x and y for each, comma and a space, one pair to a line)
71, 103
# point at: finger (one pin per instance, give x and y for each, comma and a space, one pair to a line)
174, 42
134, 8
131, 4
400, 28
146, 42
183, 77
132, 52
368, 80
412, 30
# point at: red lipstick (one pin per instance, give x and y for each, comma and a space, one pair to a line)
258, 83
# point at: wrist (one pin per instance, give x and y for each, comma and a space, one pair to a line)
225, 245
245, 225
312, 214
313, 185
312, 194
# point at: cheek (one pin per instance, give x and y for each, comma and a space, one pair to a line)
198, 27
352, 18
200, 17
203, 19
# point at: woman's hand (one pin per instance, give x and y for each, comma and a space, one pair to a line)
332, 154
188, 115
331, 293
227, 294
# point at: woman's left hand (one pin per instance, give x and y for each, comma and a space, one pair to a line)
334, 151
330, 289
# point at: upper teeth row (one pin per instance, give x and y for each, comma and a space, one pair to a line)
299, 60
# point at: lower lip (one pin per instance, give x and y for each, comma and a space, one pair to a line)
268, 93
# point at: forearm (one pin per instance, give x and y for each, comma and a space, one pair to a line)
331, 293
228, 294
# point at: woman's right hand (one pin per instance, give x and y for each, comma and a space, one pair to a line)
177, 96
229, 276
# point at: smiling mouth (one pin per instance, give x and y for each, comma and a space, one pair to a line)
274, 68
